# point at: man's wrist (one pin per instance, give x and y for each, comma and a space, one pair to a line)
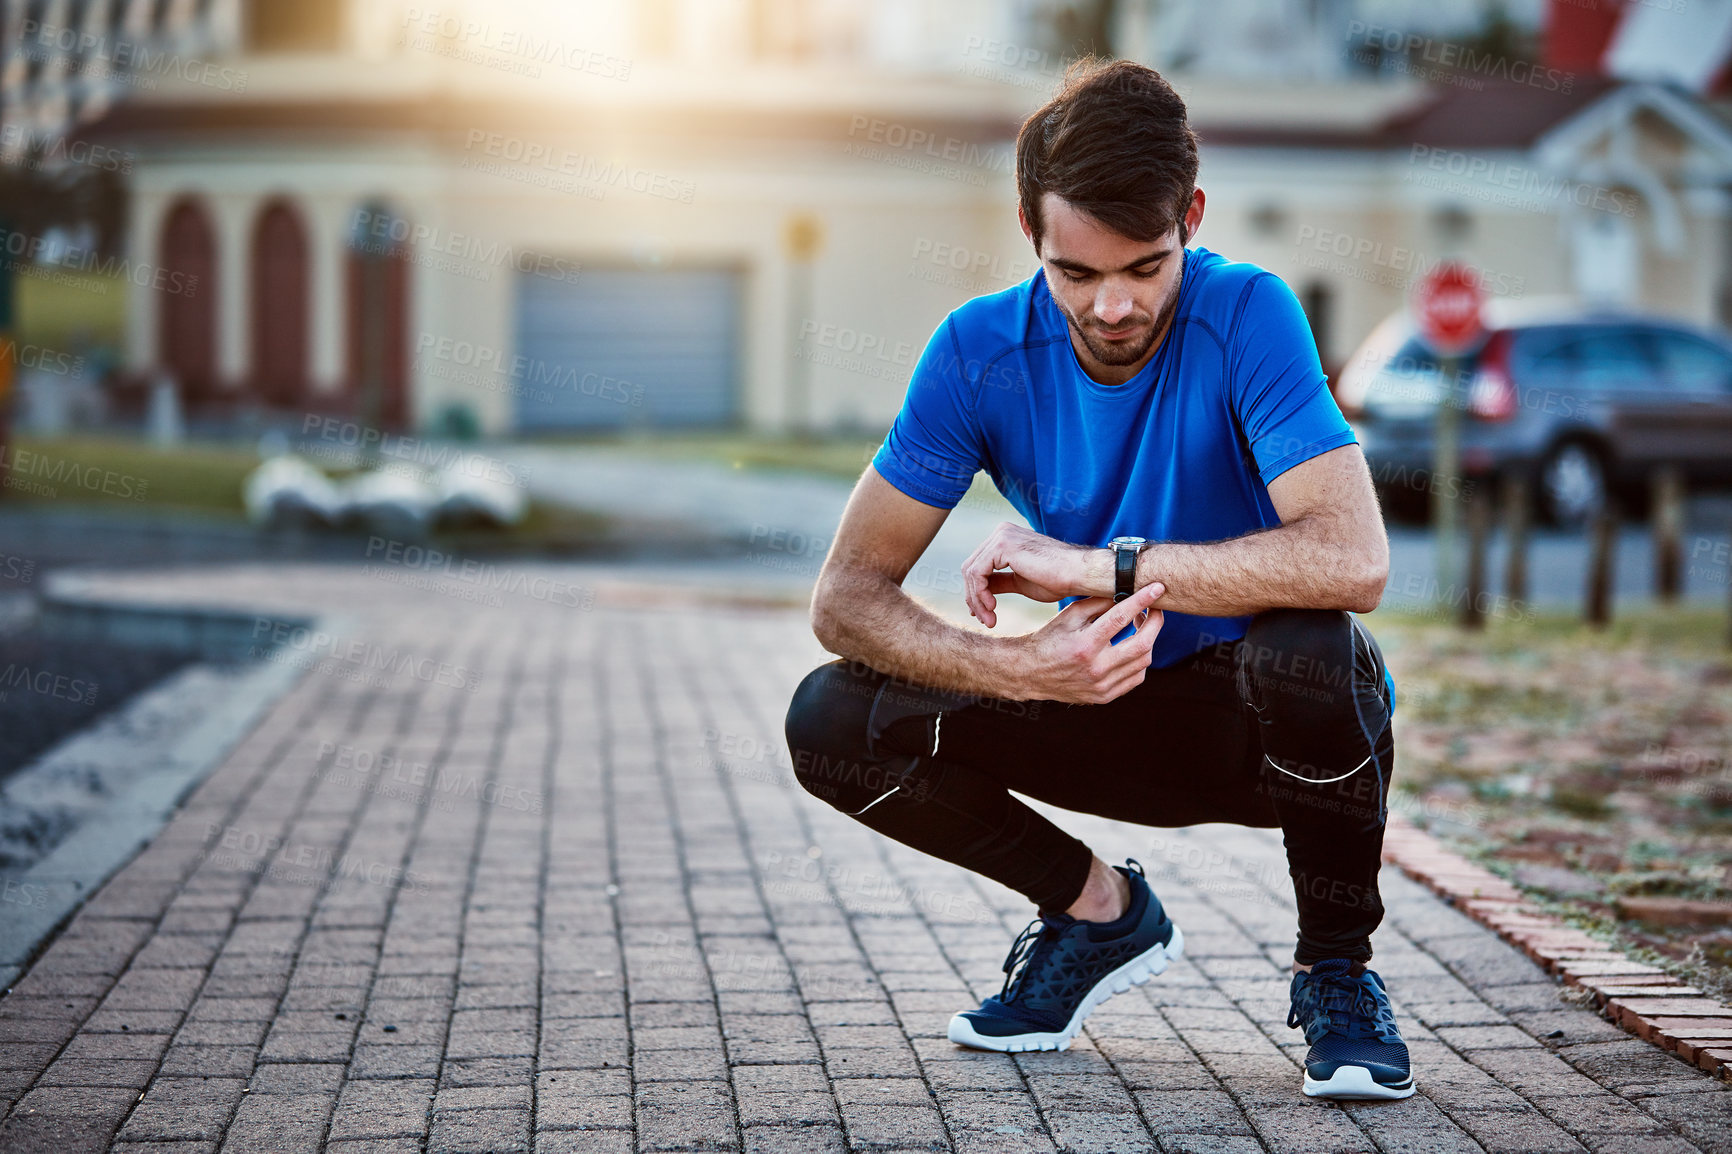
1014, 669
1098, 570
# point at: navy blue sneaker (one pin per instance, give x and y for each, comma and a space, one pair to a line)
1060, 969
1356, 1051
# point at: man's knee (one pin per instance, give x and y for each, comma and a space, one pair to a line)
1300, 661
1317, 682
826, 724
1299, 631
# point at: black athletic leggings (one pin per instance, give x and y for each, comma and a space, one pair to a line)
1289, 727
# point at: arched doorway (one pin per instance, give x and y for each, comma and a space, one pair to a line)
279, 305
378, 316
186, 300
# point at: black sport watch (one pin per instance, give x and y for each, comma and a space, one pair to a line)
1125, 552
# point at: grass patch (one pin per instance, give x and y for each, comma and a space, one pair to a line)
1477, 700
108, 471
1580, 803
71, 311
1695, 629
842, 457
208, 478
544, 530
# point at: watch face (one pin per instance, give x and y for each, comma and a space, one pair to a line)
1117, 541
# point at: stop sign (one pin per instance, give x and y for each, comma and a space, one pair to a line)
1447, 304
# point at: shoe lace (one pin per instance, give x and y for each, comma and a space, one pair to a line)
1025, 951
1340, 1003
1029, 951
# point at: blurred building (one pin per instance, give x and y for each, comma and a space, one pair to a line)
687, 213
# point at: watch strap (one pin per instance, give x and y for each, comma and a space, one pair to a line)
1124, 571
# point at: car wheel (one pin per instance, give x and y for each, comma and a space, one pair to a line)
1572, 484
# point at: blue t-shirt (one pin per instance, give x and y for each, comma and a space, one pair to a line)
1183, 451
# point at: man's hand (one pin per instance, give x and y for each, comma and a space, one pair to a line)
1039, 567
1072, 657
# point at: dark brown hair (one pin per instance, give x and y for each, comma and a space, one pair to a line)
1114, 142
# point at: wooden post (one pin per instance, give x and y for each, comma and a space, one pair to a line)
1478, 529
1515, 533
1445, 469
1668, 487
1602, 559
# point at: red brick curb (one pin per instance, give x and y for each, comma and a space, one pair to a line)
1642, 999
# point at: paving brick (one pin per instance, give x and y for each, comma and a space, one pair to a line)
371, 1061
790, 1140
42, 1031
1534, 1072
593, 1006
1633, 1068
991, 1122
1510, 1131
382, 1109
27, 1055
901, 1127
670, 1114
46, 983
793, 1107
19, 1005
214, 1009
1563, 1027
278, 1124
155, 989
298, 1078
512, 1097
486, 1072
480, 1132
1310, 1127
1208, 1144
210, 1061
128, 1073
1091, 1133
107, 1046
569, 1043
1623, 1144
864, 1063
184, 1109
1191, 1112
1701, 1118
1486, 1038
288, 1046
613, 1080
207, 1033
570, 1107
66, 1118
1598, 1114
1192, 1075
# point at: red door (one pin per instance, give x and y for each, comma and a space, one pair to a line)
279, 306
379, 325
186, 300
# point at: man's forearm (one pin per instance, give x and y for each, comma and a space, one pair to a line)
867, 617
1307, 564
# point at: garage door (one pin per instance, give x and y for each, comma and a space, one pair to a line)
621, 347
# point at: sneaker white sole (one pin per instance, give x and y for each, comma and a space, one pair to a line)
1355, 1082
1135, 972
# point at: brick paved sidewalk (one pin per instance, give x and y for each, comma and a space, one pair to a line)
549, 886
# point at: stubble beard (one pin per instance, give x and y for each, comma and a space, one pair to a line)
1118, 353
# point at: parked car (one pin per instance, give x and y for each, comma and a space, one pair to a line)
1585, 405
